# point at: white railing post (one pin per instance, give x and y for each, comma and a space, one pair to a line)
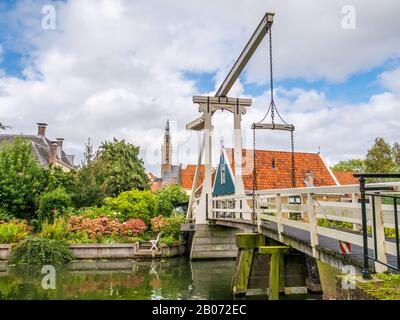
279, 217
354, 199
313, 224
379, 232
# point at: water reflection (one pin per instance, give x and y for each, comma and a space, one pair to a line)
123, 279
171, 279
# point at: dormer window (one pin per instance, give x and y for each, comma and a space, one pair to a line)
223, 174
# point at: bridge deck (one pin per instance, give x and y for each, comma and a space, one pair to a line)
326, 244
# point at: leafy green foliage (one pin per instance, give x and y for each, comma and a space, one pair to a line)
95, 212
169, 197
89, 186
13, 232
170, 227
56, 230
334, 224
5, 215
40, 251
133, 204
379, 158
352, 165
19, 173
114, 168
53, 203
123, 169
22, 180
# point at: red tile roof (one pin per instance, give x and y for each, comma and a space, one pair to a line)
187, 176
281, 176
345, 177
155, 185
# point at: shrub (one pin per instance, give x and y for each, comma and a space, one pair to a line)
169, 197
5, 215
13, 232
158, 223
169, 226
40, 251
56, 231
133, 227
95, 212
53, 203
96, 228
173, 225
133, 204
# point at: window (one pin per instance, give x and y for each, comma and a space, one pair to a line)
294, 200
223, 174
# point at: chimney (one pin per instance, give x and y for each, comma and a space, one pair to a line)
42, 129
309, 180
53, 153
60, 142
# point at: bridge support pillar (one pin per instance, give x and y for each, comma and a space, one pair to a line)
246, 243
272, 269
213, 242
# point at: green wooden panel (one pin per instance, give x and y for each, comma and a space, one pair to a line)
273, 249
242, 271
249, 240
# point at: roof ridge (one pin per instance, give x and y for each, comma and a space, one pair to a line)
269, 150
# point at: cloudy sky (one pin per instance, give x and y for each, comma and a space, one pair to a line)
121, 68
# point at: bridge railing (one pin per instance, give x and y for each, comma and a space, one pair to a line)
333, 212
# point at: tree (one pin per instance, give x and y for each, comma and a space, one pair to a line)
88, 155
169, 197
379, 158
353, 165
396, 155
89, 186
114, 168
123, 170
22, 180
19, 178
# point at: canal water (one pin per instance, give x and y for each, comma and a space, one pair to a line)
176, 278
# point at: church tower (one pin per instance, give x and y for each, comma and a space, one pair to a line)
166, 162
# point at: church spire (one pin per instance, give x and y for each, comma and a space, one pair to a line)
166, 164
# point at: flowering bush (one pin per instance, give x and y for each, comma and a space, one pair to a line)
170, 227
133, 227
158, 223
94, 228
100, 228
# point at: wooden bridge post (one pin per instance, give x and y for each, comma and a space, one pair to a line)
312, 217
246, 242
276, 253
279, 217
379, 233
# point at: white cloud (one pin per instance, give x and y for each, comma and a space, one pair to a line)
116, 68
391, 80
